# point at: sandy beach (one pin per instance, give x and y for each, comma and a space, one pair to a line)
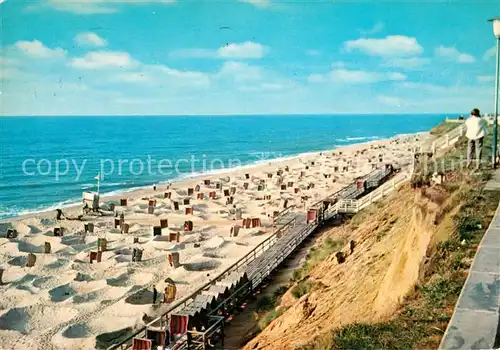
63, 301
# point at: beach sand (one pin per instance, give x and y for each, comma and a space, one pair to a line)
64, 301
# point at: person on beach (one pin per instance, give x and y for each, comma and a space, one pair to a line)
155, 294
476, 131
60, 215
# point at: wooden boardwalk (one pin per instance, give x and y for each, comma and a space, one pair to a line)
292, 227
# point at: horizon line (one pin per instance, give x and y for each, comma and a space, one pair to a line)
230, 115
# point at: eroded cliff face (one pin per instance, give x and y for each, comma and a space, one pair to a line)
392, 243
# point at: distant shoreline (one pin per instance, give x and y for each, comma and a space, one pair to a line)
135, 191
238, 115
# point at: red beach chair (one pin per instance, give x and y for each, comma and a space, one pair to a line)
142, 344
178, 324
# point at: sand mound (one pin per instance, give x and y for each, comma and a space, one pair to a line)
214, 242
18, 261
26, 247
34, 229
59, 263
81, 277
122, 280
206, 265
47, 222
105, 340
4, 226
77, 330
28, 319
123, 258
42, 282
142, 297
22, 228
87, 297
135, 228
61, 293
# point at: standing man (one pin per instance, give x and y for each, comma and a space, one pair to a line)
476, 131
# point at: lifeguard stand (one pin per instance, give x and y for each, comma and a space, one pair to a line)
91, 202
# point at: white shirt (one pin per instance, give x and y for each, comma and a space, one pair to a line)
476, 128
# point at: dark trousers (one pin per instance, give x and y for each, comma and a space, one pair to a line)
477, 146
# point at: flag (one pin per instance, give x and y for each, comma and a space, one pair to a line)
97, 177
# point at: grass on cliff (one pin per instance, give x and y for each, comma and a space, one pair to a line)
266, 307
316, 255
424, 315
443, 128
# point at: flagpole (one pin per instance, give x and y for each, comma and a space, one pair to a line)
98, 182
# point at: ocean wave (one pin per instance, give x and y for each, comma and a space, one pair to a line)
358, 138
105, 184
14, 211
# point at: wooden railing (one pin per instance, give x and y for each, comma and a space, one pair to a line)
344, 205
237, 266
448, 139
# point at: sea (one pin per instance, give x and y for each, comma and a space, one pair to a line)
47, 162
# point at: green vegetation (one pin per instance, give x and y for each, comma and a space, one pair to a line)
266, 307
317, 255
425, 313
453, 161
266, 303
270, 316
443, 128
302, 288
361, 216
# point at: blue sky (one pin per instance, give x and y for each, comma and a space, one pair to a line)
100, 57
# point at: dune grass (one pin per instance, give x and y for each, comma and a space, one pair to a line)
316, 255
424, 315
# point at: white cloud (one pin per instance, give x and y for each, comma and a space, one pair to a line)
246, 50
258, 3
407, 63
447, 90
390, 100
378, 27
355, 77
103, 59
491, 52
265, 87
37, 49
345, 76
485, 78
240, 71
7, 61
193, 53
338, 64
313, 52
89, 39
190, 77
9, 73
164, 76
132, 77
390, 46
96, 6
452, 54
272, 86
316, 78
